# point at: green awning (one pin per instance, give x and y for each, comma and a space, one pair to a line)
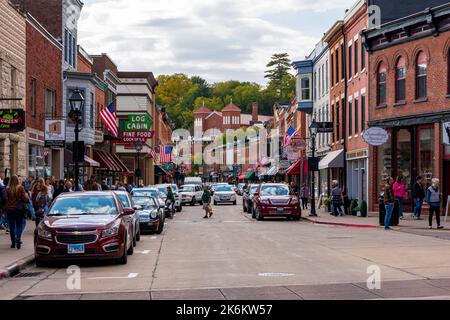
250, 175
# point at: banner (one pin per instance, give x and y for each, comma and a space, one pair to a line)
12, 120
55, 134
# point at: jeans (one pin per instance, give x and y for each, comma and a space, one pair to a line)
16, 225
400, 207
418, 208
337, 208
3, 220
388, 217
305, 203
437, 211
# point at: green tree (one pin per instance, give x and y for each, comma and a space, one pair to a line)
281, 82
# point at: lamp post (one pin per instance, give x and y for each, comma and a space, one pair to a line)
76, 101
138, 145
313, 128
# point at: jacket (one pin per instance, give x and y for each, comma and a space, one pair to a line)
418, 191
13, 199
399, 190
206, 197
433, 197
388, 194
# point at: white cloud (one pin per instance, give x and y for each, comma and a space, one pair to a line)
218, 40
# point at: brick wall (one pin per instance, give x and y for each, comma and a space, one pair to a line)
83, 65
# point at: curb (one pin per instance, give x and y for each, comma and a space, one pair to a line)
342, 224
14, 269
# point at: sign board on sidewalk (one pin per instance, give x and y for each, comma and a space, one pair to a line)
446, 133
376, 136
55, 133
12, 120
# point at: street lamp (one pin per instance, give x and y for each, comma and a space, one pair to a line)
138, 146
313, 128
76, 101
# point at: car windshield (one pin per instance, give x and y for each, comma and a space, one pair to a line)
146, 193
124, 199
163, 189
92, 205
224, 189
145, 202
253, 189
275, 191
187, 189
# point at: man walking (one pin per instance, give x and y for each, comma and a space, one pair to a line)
434, 202
206, 198
304, 195
419, 195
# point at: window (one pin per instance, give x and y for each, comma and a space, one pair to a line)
319, 81
343, 62
381, 84
315, 85
363, 112
33, 97
74, 52
448, 71
305, 85
50, 108
337, 123
350, 118
13, 78
337, 67
332, 120
356, 56
400, 80
92, 111
66, 45
343, 119
350, 62
332, 69
327, 81
356, 116
363, 58
69, 44
421, 76
323, 80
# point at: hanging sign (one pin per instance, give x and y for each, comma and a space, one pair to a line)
376, 136
446, 132
12, 120
55, 133
137, 122
325, 127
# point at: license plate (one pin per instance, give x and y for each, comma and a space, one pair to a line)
144, 219
75, 249
280, 210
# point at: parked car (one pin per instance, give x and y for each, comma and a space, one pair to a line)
191, 194
88, 225
240, 189
150, 192
151, 214
247, 199
163, 189
276, 200
225, 194
193, 180
128, 203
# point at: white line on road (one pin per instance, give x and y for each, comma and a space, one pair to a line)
143, 252
276, 274
130, 276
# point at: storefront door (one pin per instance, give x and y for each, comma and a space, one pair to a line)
403, 159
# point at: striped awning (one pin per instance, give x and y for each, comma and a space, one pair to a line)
110, 162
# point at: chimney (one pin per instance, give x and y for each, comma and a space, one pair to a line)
255, 112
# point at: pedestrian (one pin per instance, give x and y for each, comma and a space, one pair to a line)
3, 199
337, 199
206, 199
41, 200
294, 188
95, 186
120, 187
16, 210
434, 202
68, 187
170, 201
388, 202
105, 186
304, 195
28, 183
60, 188
50, 188
399, 189
419, 195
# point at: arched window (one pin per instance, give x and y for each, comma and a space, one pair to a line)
381, 83
421, 76
400, 80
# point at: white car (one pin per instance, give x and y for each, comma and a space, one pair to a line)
224, 194
150, 192
163, 189
191, 194
193, 180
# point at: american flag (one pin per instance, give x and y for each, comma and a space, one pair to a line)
289, 134
109, 118
165, 154
152, 153
45, 153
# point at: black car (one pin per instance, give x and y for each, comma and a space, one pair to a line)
151, 214
247, 199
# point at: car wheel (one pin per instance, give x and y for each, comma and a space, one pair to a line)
131, 250
252, 211
259, 217
124, 258
134, 239
296, 218
234, 203
41, 264
215, 203
201, 202
138, 235
160, 228
193, 202
244, 208
179, 208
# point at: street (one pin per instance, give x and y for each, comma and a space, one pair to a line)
231, 256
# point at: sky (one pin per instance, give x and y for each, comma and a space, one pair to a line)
218, 40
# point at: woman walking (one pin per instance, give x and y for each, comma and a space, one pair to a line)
304, 195
41, 200
388, 202
399, 189
16, 210
336, 194
434, 202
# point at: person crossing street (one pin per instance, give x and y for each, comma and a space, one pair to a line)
206, 198
170, 202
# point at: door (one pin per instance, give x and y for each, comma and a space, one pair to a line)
446, 180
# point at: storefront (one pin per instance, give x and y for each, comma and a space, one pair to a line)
38, 161
357, 168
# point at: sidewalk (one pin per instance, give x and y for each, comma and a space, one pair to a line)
13, 260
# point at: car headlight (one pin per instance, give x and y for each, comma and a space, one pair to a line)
113, 231
294, 201
265, 201
154, 214
45, 234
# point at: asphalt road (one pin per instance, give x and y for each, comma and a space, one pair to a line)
231, 256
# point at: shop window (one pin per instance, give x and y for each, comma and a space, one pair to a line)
36, 161
404, 157
421, 76
381, 84
426, 154
400, 80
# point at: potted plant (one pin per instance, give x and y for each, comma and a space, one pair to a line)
363, 209
354, 207
327, 204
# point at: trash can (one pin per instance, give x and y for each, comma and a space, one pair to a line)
382, 210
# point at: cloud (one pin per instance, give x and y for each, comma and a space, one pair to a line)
218, 40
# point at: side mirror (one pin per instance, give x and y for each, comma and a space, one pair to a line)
128, 211
137, 207
256, 194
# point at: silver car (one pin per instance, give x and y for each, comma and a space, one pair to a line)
150, 192
225, 194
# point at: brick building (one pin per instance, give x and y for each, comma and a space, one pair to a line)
44, 87
409, 97
13, 150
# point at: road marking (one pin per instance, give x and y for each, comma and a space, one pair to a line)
143, 252
130, 276
153, 238
275, 274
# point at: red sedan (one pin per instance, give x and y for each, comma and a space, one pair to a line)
276, 200
88, 225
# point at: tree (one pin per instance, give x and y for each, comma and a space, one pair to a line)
282, 83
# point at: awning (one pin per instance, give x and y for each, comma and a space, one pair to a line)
272, 171
109, 162
159, 171
88, 162
295, 169
250, 175
121, 164
242, 177
334, 159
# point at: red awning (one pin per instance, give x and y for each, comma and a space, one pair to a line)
296, 168
121, 164
107, 161
242, 176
